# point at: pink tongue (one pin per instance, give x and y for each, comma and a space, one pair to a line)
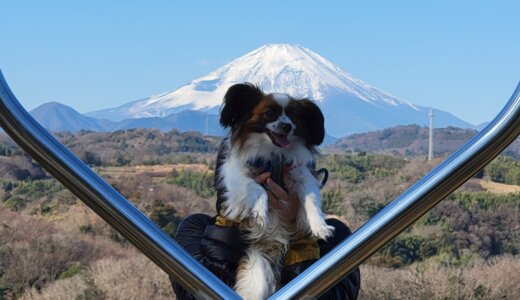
281, 140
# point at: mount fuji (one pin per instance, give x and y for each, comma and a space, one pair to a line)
349, 104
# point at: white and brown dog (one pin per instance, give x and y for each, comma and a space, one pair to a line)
262, 126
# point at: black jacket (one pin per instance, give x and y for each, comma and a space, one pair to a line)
221, 248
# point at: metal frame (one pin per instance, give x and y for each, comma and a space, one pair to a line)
106, 201
409, 206
326, 272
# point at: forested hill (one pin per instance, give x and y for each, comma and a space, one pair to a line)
124, 147
412, 140
467, 247
151, 146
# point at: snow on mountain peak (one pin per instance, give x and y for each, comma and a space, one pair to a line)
281, 68
348, 104
286, 68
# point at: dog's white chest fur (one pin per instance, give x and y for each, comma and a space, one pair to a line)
247, 200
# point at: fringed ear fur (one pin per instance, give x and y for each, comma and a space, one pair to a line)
313, 122
239, 101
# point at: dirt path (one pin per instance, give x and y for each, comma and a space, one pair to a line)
155, 170
499, 188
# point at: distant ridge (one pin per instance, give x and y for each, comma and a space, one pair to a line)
411, 140
55, 116
59, 117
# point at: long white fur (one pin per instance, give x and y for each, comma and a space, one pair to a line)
256, 278
281, 98
247, 200
244, 197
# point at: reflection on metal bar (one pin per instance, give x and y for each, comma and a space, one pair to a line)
106, 201
408, 207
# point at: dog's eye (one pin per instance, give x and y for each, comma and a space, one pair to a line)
268, 113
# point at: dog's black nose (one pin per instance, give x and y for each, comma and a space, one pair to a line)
285, 127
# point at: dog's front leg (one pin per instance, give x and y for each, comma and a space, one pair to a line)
244, 197
310, 215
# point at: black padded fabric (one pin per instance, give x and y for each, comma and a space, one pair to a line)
221, 248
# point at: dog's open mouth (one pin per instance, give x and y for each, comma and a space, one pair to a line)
278, 139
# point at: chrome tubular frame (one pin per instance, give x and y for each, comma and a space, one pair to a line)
409, 206
106, 201
326, 272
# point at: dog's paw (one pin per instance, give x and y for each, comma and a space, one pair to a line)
260, 215
258, 203
322, 232
318, 227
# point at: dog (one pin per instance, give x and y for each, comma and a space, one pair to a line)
262, 126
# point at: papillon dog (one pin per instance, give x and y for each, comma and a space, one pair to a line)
266, 132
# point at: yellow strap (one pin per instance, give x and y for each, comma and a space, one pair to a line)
224, 222
301, 247
301, 250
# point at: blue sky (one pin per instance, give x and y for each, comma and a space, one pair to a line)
458, 56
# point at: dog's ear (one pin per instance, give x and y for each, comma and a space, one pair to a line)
239, 101
310, 121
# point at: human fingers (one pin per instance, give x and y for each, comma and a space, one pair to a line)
288, 181
276, 203
262, 177
277, 190
286, 204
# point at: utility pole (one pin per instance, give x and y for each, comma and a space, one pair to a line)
206, 127
430, 142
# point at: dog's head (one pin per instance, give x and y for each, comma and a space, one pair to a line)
278, 118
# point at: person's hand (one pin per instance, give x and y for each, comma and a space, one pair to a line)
287, 204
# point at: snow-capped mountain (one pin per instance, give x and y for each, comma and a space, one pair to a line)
349, 104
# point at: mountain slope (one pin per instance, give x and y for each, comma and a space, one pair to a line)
187, 120
55, 116
349, 104
412, 140
58, 117
406, 140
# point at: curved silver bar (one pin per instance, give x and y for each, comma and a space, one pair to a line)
409, 206
161, 249
106, 201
